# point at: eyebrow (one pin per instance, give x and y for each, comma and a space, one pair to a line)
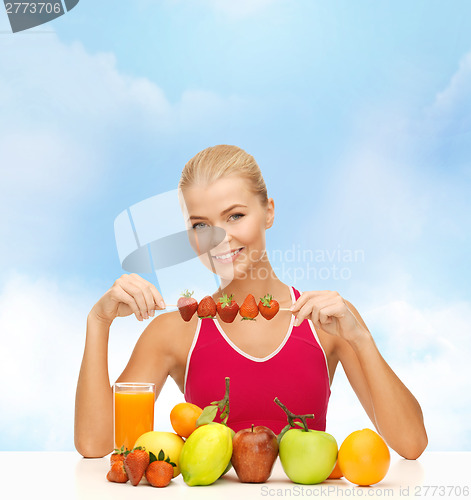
222, 213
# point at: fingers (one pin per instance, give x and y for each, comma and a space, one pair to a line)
326, 313
140, 295
152, 296
305, 296
124, 297
311, 309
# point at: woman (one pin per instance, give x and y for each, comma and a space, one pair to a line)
292, 356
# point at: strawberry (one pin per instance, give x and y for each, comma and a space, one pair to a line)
135, 464
117, 473
268, 307
160, 472
187, 305
249, 309
227, 308
117, 456
207, 307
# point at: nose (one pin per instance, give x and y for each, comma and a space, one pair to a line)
204, 240
227, 237
223, 243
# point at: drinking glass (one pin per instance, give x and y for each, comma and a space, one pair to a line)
133, 412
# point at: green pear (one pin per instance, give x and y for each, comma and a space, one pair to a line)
206, 454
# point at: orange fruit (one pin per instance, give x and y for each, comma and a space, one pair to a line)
364, 457
183, 418
336, 473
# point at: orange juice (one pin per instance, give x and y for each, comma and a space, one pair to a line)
133, 416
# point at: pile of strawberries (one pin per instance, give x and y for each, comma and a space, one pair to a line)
226, 307
131, 465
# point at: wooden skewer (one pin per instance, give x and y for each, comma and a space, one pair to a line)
281, 308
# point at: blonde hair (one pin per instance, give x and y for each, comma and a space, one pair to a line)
220, 161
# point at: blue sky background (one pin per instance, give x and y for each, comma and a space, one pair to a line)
359, 116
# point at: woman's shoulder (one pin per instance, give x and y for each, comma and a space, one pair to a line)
170, 329
173, 322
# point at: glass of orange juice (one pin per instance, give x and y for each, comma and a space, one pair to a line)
133, 411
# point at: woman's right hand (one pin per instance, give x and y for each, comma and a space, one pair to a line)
130, 294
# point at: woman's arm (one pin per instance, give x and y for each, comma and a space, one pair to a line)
129, 294
151, 361
93, 433
397, 414
392, 408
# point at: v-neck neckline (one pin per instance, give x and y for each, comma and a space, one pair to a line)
255, 358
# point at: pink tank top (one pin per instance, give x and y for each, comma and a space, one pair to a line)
296, 372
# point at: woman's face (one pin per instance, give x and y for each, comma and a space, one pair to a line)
229, 204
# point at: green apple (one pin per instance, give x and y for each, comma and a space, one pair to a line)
308, 457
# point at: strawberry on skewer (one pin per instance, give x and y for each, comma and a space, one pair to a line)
249, 308
227, 308
268, 307
187, 305
207, 307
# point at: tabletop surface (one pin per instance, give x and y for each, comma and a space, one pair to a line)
68, 475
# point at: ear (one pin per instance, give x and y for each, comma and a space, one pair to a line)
270, 213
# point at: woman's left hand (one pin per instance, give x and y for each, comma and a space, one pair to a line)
329, 311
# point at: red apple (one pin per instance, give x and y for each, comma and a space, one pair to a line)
254, 452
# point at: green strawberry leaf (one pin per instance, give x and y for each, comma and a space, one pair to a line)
161, 455
207, 416
152, 457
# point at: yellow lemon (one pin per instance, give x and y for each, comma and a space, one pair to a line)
170, 443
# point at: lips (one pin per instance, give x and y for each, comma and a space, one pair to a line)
228, 256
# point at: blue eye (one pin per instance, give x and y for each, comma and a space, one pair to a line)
195, 226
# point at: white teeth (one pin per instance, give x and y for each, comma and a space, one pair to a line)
227, 256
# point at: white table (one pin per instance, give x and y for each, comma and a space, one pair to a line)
66, 475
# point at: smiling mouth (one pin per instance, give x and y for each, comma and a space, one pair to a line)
228, 257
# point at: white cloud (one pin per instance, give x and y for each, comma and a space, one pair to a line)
451, 107
382, 199
43, 325
428, 348
400, 193
65, 112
